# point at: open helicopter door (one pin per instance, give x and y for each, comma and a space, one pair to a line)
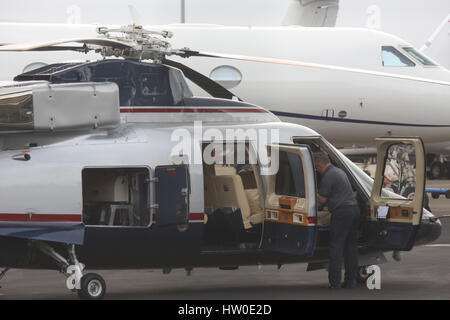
290, 204
172, 195
397, 194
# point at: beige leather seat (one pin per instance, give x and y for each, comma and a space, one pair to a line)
256, 209
230, 193
253, 197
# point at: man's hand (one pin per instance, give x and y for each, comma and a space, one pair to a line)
320, 199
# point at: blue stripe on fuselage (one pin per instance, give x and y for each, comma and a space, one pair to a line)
311, 117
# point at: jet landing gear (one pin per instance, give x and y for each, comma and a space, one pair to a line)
90, 286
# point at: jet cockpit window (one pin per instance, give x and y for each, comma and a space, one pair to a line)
394, 58
419, 56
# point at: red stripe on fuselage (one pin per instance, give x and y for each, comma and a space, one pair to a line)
25, 217
196, 216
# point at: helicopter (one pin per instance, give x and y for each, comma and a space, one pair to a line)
115, 164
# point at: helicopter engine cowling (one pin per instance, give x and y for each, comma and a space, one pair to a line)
42, 106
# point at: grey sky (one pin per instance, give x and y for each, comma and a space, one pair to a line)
412, 20
230, 12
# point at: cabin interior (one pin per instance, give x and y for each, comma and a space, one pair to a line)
236, 198
116, 196
234, 201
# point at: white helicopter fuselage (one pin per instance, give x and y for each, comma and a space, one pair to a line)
349, 105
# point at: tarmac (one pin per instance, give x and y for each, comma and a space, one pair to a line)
422, 274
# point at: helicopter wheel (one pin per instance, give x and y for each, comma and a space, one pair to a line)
93, 287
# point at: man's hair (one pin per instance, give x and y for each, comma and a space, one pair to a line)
321, 158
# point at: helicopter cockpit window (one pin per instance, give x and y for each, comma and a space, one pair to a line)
394, 58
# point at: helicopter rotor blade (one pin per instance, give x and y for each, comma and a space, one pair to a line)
186, 53
207, 84
191, 53
50, 45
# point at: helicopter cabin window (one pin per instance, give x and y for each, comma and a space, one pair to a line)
394, 58
400, 172
116, 196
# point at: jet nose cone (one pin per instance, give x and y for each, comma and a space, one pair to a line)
430, 230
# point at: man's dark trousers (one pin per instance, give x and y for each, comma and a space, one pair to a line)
344, 244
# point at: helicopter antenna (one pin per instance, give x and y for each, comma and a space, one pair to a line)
183, 11
135, 16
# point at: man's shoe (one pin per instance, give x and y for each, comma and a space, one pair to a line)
348, 285
334, 287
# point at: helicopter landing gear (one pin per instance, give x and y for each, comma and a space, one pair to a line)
2, 274
90, 286
93, 287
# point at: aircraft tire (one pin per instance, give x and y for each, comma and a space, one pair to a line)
93, 287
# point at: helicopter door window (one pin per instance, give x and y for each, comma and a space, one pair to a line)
400, 171
286, 182
116, 196
394, 58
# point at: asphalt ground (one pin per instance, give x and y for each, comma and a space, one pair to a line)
423, 273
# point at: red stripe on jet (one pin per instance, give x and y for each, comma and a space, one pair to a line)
194, 110
25, 217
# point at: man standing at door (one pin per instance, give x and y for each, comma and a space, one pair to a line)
336, 192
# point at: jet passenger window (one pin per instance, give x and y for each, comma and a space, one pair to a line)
394, 58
